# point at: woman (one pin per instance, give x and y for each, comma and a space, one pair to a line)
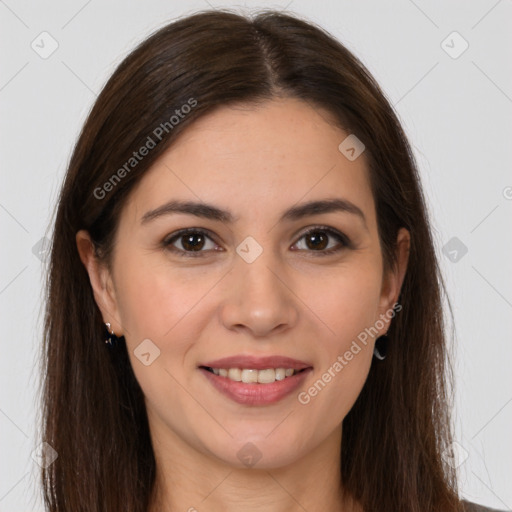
242, 223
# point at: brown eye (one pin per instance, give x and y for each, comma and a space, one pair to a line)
193, 242
318, 239
189, 242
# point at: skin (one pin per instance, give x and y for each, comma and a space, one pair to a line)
256, 162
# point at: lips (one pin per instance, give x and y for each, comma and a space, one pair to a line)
256, 394
257, 363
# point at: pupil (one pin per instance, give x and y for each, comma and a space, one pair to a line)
318, 240
189, 244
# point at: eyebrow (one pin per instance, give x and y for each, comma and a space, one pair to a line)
208, 211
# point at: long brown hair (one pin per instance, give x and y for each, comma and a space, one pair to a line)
93, 411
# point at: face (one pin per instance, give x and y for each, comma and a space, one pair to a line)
254, 282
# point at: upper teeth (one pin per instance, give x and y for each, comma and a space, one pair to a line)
252, 376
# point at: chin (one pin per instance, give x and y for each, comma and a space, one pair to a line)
258, 452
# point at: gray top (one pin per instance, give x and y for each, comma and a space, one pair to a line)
473, 507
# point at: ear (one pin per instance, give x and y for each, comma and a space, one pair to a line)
101, 281
392, 282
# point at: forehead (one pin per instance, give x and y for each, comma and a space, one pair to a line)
257, 161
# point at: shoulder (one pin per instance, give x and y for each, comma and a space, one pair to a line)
473, 507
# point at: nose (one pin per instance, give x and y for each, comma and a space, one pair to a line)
259, 300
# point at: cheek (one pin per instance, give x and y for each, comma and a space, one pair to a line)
348, 303
156, 302
348, 306
166, 305
154, 299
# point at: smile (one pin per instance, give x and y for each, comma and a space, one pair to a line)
255, 387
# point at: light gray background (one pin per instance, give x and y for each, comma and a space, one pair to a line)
456, 112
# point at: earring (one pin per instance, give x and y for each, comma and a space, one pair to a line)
381, 347
112, 339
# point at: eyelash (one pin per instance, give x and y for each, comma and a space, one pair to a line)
340, 237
